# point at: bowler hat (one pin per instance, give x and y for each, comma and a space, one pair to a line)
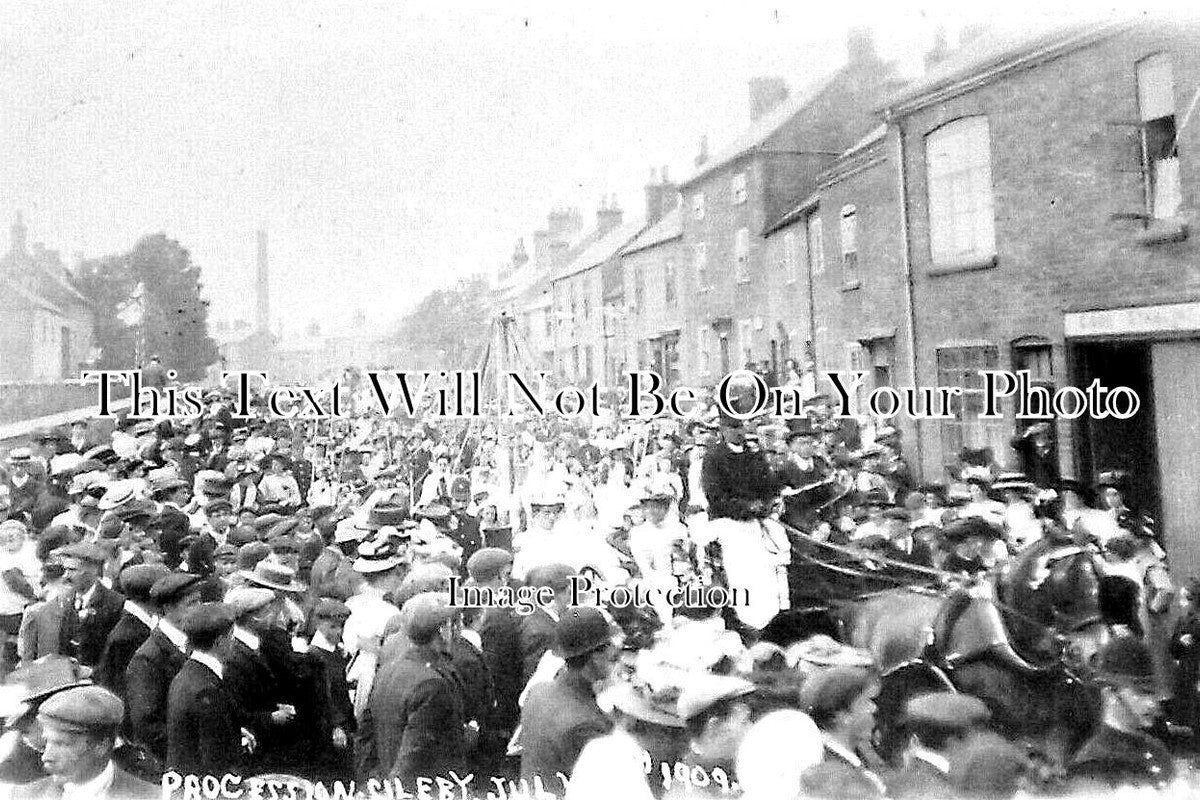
581, 630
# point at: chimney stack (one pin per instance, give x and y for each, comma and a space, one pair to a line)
262, 287
608, 215
660, 196
766, 92
519, 256
702, 156
19, 234
938, 52
860, 45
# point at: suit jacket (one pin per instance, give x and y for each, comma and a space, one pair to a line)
341, 710
84, 633
41, 629
414, 722
147, 686
536, 636
203, 733
124, 787
128, 635
256, 690
558, 719
500, 635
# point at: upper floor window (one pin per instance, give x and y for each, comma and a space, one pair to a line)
738, 188
741, 253
1160, 157
959, 163
700, 264
789, 255
698, 205
849, 237
816, 245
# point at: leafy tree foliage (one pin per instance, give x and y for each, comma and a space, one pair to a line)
173, 317
448, 328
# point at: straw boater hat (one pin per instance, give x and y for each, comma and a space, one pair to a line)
271, 575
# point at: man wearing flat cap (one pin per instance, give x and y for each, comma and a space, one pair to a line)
156, 662
134, 626
936, 723
537, 630
561, 716
94, 610
257, 686
79, 727
414, 725
204, 733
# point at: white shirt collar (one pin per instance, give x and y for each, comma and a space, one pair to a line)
177, 637
930, 757
137, 612
247, 638
210, 662
94, 788
321, 643
87, 596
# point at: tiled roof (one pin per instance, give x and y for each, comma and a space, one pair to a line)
997, 49
764, 127
601, 249
668, 228
32, 298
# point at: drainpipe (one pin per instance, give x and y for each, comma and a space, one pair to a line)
909, 300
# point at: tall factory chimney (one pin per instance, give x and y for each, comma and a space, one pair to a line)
262, 287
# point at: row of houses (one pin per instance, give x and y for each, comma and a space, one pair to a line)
1026, 204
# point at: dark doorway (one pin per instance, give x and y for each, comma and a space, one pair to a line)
1120, 444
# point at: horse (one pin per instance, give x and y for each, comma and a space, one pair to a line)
1019, 638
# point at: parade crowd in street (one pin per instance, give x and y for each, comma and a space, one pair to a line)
260, 597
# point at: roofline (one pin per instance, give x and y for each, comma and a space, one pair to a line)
805, 207
569, 271
709, 167
994, 72
628, 251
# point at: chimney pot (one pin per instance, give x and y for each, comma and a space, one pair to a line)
766, 92
860, 45
665, 175
702, 156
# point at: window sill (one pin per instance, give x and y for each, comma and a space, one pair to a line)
850, 286
1163, 231
964, 264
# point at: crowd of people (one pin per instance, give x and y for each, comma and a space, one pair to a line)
501, 608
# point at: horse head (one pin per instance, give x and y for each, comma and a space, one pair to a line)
1052, 597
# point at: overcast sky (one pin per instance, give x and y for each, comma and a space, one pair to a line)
389, 147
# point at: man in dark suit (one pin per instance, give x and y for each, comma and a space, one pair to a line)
337, 725
413, 725
537, 629
561, 716
500, 638
204, 736
95, 609
79, 727
258, 690
156, 662
132, 628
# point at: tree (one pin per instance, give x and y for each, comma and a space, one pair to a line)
448, 328
173, 317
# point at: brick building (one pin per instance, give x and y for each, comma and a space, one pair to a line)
652, 314
579, 326
46, 324
1049, 194
839, 260
734, 314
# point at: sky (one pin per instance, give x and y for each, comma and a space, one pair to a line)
390, 148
